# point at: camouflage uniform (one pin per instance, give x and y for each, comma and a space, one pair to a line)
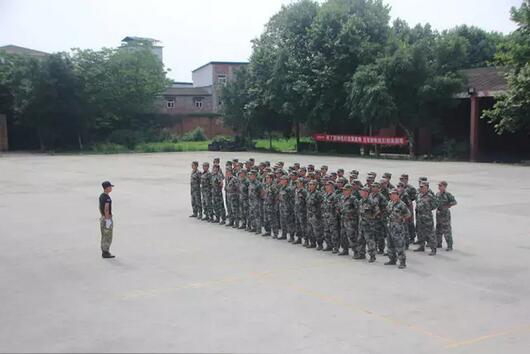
232, 197
398, 213
243, 204
443, 218
227, 201
196, 203
287, 222
380, 226
329, 214
217, 197
206, 195
255, 189
412, 194
271, 205
405, 198
425, 204
300, 212
368, 213
314, 217
350, 222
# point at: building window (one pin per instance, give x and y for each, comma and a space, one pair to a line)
170, 103
219, 101
221, 80
197, 101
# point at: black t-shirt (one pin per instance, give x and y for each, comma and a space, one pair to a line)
103, 199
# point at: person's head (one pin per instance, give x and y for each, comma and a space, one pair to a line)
330, 187
347, 190
302, 172
251, 161
107, 187
247, 165
384, 182
324, 169
300, 183
269, 178
194, 165
215, 168
293, 176
421, 180
284, 180
252, 176
228, 163
356, 184
404, 178
312, 185
365, 191
442, 186
262, 166
354, 174
376, 187
387, 175
310, 168
340, 172
400, 187
394, 195
205, 166
424, 187
281, 164
242, 174
216, 161
333, 176
296, 166
228, 171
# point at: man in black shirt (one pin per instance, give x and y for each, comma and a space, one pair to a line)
105, 222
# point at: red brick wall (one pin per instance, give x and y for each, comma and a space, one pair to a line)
212, 126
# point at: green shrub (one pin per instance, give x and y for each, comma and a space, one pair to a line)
168, 146
196, 134
127, 137
109, 148
220, 139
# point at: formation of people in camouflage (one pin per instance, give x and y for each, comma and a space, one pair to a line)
325, 210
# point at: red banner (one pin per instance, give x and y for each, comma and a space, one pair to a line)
361, 139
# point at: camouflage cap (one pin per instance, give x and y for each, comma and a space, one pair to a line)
354, 172
253, 172
206, 164
394, 191
216, 159
347, 187
324, 167
404, 176
269, 175
195, 163
421, 179
443, 183
401, 185
228, 163
300, 181
284, 178
365, 189
252, 159
424, 184
372, 174
313, 182
376, 185
228, 169
333, 174
330, 183
297, 164
243, 171
342, 180
312, 174
281, 163
387, 175
303, 168
311, 166
293, 174
357, 182
340, 170
262, 164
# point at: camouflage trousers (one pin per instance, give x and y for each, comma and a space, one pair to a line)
300, 223
233, 208
380, 234
331, 231
207, 208
228, 207
443, 229
254, 218
196, 203
349, 233
425, 231
262, 212
314, 228
243, 211
397, 238
287, 222
218, 205
106, 234
272, 224
367, 235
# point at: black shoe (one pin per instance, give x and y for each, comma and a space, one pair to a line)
242, 227
420, 249
282, 237
275, 237
320, 247
372, 259
298, 241
391, 262
231, 223
205, 218
290, 240
359, 256
193, 216
312, 245
380, 251
402, 265
268, 233
327, 249
222, 222
449, 248
335, 251
107, 255
433, 252
344, 253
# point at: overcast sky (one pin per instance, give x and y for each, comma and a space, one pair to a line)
194, 32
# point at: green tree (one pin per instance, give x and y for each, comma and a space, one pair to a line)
511, 111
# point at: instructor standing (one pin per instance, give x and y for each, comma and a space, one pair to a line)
105, 222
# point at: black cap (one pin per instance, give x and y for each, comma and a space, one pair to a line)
106, 184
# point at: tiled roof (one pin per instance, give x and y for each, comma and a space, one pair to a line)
15, 49
222, 62
487, 81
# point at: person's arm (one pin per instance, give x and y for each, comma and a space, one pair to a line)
107, 210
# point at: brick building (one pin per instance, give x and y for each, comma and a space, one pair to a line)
198, 103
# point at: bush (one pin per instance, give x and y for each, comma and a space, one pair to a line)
220, 139
109, 148
168, 146
451, 149
196, 134
127, 137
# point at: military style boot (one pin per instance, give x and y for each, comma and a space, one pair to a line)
230, 223
106, 254
193, 215
372, 258
298, 241
305, 243
334, 250
402, 264
243, 226
328, 248
222, 222
449, 247
268, 233
312, 244
439, 245
320, 246
359, 256
433, 251
282, 237
344, 252
392, 261
420, 249
290, 239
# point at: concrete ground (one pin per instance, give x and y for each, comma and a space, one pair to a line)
181, 285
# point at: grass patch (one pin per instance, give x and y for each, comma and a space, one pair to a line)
281, 145
173, 147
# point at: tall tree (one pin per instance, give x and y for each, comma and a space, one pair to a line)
511, 111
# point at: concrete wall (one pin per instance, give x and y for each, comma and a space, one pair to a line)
3, 133
186, 104
203, 76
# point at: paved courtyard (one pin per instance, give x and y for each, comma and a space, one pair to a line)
181, 285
